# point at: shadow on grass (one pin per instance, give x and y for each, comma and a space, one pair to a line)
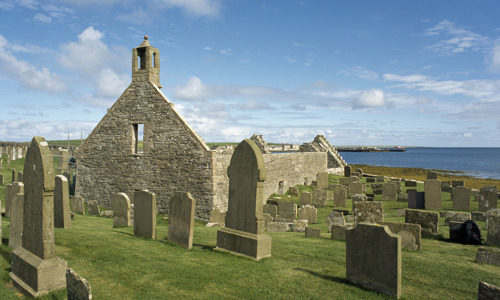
327, 277
205, 247
125, 233
5, 254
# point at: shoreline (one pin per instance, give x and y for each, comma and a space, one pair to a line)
420, 174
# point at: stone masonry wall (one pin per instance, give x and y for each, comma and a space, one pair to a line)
174, 157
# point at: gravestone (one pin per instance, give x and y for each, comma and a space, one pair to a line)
20, 176
121, 210
389, 191
493, 227
300, 225
373, 258
322, 179
16, 222
369, 212
218, 217
432, 190
402, 229
487, 291
356, 188
335, 218
446, 187
293, 191
77, 205
62, 214
456, 183
488, 255
356, 174
305, 198
478, 216
428, 220
313, 232
432, 175
93, 208
460, 196
360, 171
340, 197
16, 188
319, 198
287, 211
371, 179
2, 181
416, 200
35, 269
145, 214
181, 219
410, 183
347, 171
272, 210
267, 218
14, 175
308, 213
278, 227
357, 198
456, 216
488, 197
244, 231
78, 287
380, 178
8, 198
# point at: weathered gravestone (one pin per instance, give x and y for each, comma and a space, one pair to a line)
356, 174
411, 234
335, 218
77, 205
432, 189
322, 179
16, 221
360, 171
244, 231
488, 291
305, 198
416, 200
287, 211
369, 212
478, 216
428, 220
493, 227
145, 214
14, 175
340, 197
181, 219
271, 210
373, 258
300, 225
8, 198
93, 208
347, 171
389, 191
456, 216
488, 197
20, 176
121, 210
78, 287
488, 255
371, 179
380, 178
410, 183
218, 217
16, 188
356, 188
456, 183
278, 227
357, 198
432, 175
313, 232
460, 196
446, 187
2, 181
62, 214
36, 270
293, 191
308, 213
319, 198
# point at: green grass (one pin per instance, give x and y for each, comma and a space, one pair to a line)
119, 265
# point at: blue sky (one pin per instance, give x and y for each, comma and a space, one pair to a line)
422, 73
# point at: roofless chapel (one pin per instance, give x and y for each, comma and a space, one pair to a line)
171, 157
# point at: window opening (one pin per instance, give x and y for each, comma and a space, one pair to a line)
141, 56
138, 138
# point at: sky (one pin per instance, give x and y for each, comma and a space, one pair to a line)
414, 73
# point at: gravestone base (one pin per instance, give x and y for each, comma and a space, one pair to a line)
256, 246
34, 276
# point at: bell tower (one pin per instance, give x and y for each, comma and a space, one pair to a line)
146, 63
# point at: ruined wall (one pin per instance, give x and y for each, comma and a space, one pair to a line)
173, 158
283, 170
336, 163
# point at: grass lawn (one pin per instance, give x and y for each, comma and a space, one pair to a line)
119, 265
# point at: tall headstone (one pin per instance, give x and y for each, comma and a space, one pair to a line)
20, 176
244, 231
308, 213
14, 175
488, 197
432, 189
8, 198
493, 226
121, 210
460, 196
2, 180
347, 171
356, 188
36, 270
64, 160
181, 219
373, 258
77, 205
16, 222
340, 196
305, 198
416, 200
322, 179
78, 287
389, 191
145, 214
62, 214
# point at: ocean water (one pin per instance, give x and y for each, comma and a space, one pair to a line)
477, 162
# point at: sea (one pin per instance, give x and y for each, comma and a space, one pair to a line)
476, 162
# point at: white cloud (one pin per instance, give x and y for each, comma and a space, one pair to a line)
28, 75
227, 51
369, 99
110, 84
24, 130
31, 4
457, 39
252, 104
207, 48
494, 59
43, 18
193, 90
361, 72
197, 8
